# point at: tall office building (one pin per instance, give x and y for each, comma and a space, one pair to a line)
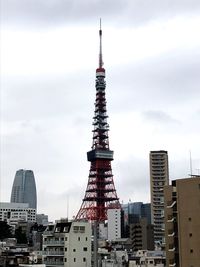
182, 222
159, 177
24, 188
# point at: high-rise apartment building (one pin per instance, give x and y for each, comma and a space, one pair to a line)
182, 222
159, 177
24, 188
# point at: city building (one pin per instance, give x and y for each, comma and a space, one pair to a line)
141, 235
42, 219
24, 188
182, 222
159, 177
140, 209
114, 224
14, 213
12, 254
67, 244
136, 217
145, 258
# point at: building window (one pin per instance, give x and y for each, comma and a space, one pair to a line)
66, 229
74, 250
84, 259
86, 239
65, 259
75, 228
65, 249
191, 250
189, 219
74, 259
190, 234
85, 249
82, 229
65, 238
79, 238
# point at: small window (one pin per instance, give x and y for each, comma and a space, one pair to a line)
74, 250
57, 229
66, 229
65, 259
189, 219
65, 249
191, 250
75, 228
85, 249
74, 259
82, 229
84, 259
190, 234
86, 239
65, 238
79, 239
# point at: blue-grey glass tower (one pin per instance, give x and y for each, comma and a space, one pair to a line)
24, 188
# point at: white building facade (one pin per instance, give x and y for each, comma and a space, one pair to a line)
114, 224
67, 244
78, 245
16, 212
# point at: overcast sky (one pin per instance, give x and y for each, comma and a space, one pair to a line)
49, 53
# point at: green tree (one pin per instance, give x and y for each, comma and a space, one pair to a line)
5, 230
20, 236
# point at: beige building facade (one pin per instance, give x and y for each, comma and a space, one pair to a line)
182, 222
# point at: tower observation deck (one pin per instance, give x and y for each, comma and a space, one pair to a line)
100, 193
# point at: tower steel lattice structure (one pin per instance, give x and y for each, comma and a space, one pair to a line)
100, 193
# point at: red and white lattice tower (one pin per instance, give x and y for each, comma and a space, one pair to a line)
100, 193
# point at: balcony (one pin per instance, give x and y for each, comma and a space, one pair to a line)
171, 247
170, 218
53, 263
171, 233
54, 242
53, 253
172, 263
170, 204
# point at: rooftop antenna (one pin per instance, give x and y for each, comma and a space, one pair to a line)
191, 164
68, 207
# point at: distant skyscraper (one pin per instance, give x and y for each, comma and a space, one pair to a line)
159, 177
24, 188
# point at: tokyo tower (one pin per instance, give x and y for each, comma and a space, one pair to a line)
100, 193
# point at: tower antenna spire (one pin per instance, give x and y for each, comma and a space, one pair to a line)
100, 47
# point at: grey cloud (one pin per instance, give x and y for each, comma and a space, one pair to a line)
43, 97
53, 12
158, 116
132, 181
169, 80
